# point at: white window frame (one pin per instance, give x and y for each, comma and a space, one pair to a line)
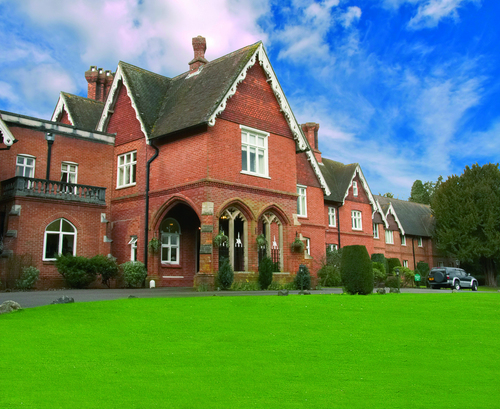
61, 235
256, 142
333, 247
25, 167
389, 237
166, 243
126, 166
355, 188
133, 248
71, 175
420, 243
332, 217
357, 220
375, 231
308, 245
302, 201
403, 240
405, 263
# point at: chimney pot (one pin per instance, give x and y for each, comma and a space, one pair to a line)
199, 48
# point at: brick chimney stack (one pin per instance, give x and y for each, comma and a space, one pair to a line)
99, 83
199, 47
310, 130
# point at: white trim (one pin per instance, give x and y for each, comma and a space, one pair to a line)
56, 128
393, 212
111, 100
295, 128
376, 230
173, 276
60, 107
254, 130
129, 167
403, 239
355, 188
74, 234
364, 183
8, 138
391, 236
420, 242
304, 213
379, 209
334, 216
360, 219
257, 134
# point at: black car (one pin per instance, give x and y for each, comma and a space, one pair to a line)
450, 277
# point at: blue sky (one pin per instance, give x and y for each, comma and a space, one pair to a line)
409, 89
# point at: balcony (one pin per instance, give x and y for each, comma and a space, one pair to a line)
50, 189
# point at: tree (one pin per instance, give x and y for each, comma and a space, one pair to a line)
423, 192
265, 273
388, 194
467, 212
356, 270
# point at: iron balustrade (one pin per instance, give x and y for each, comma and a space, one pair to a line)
51, 189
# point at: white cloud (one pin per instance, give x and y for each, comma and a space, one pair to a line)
430, 12
352, 14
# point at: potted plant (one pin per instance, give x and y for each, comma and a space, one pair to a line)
298, 245
154, 245
220, 239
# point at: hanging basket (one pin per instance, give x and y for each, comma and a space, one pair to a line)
298, 245
154, 245
261, 241
220, 239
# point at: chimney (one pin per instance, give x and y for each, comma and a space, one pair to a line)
199, 48
310, 130
99, 83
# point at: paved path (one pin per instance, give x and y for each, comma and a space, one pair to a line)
29, 299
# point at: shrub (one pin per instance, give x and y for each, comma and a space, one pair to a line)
225, 276
265, 273
303, 278
423, 270
329, 276
393, 262
134, 273
78, 272
106, 267
380, 258
356, 270
378, 273
28, 278
407, 276
245, 286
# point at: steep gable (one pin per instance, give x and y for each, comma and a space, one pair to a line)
83, 113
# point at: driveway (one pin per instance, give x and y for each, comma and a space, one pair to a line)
28, 299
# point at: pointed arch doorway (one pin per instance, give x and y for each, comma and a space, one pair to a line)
234, 224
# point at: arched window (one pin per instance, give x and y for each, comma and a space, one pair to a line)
170, 241
60, 238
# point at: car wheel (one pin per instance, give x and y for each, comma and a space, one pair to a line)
456, 285
474, 286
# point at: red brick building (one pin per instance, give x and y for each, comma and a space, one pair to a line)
178, 160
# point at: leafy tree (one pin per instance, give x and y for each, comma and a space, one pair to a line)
467, 212
423, 192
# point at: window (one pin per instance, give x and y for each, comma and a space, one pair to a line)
301, 201
375, 231
133, 248
356, 220
254, 151
355, 188
331, 217
332, 247
69, 174
403, 240
25, 166
126, 169
420, 242
170, 241
405, 263
389, 237
308, 245
60, 238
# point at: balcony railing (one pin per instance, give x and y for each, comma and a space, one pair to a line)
50, 189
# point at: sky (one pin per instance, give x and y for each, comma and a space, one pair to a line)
409, 89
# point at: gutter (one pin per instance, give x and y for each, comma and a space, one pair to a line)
146, 224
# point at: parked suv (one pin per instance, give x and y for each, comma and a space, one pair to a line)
450, 277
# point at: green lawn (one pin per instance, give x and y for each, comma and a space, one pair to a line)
321, 351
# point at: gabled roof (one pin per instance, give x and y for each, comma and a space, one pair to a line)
164, 105
339, 178
414, 219
83, 113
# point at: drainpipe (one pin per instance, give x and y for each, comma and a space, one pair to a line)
148, 166
413, 249
338, 223
50, 140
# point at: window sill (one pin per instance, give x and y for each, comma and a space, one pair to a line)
169, 265
243, 172
125, 186
357, 229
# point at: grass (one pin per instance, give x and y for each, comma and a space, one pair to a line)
321, 351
